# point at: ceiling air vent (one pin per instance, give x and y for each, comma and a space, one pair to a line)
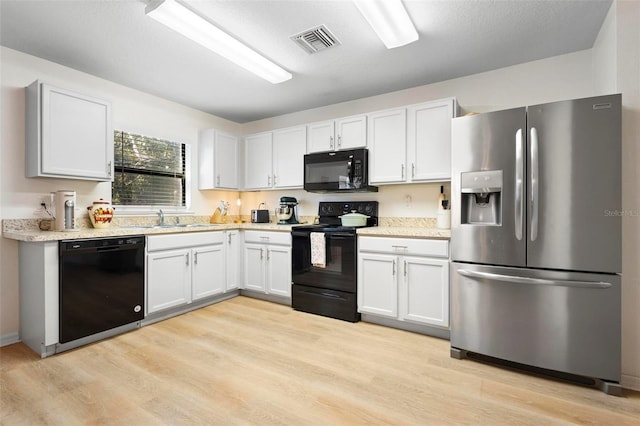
316, 39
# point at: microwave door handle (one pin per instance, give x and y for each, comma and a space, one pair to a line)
350, 172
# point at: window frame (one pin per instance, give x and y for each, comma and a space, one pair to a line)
128, 209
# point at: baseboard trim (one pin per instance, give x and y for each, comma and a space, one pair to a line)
630, 382
9, 339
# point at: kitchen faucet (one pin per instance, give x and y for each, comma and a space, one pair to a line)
160, 217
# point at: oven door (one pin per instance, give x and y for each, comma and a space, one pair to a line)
340, 268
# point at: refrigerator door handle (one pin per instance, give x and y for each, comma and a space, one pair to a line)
534, 183
536, 281
519, 205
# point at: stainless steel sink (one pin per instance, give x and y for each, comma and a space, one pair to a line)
167, 226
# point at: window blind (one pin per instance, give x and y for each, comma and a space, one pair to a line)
148, 171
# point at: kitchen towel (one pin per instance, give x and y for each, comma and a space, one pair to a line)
318, 250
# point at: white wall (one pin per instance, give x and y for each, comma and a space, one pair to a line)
558, 78
574, 75
627, 56
133, 111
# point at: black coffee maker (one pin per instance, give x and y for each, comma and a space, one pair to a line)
286, 213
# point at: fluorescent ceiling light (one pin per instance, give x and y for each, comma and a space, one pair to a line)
184, 21
389, 19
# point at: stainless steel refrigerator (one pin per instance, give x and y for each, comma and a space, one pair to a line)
536, 237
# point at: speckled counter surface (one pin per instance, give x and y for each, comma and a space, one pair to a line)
405, 232
27, 229
33, 235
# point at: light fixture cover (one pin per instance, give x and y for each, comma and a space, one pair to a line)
183, 20
390, 20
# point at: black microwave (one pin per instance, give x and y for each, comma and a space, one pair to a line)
338, 171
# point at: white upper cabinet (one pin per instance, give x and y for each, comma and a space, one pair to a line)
275, 159
321, 136
429, 140
258, 161
333, 135
351, 132
217, 160
387, 135
289, 147
411, 144
68, 135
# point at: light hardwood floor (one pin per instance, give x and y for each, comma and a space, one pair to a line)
247, 361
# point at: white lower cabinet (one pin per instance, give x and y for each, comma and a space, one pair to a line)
182, 268
267, 262
404, 279
232, 256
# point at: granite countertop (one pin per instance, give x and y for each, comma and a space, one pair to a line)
34, 235
28, 229
405, 232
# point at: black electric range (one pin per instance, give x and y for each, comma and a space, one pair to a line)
325, 265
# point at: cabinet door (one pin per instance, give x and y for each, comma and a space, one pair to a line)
206, 154
320, 137
387, 132
377, 284
253, 267
226, 161
425, 292
208, 274
289, 147
168, 279
429, 140
258, 161
279, 270
76, 135
351, 132
232, 257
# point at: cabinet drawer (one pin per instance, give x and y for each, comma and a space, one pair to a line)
405, 246
262, 237
185, 240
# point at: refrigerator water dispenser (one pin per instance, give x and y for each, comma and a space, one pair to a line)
481, 198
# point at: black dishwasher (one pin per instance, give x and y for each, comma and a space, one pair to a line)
101, 285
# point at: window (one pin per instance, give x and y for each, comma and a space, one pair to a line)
149, 171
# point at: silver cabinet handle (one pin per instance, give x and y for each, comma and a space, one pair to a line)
394, 268
405, 268
519, 201
275, 180
534, 183
402, 172
536, 281
218, 180
261, 253
195, 258
268, 254
268, 180
413, 170
400, 247
187, 259
109, 168
229, 239
339, 141
331, 142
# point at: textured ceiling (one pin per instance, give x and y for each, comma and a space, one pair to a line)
113, 39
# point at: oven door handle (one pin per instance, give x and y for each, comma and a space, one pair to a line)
339, 235
335, 235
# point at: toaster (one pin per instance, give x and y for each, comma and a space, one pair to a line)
259, 216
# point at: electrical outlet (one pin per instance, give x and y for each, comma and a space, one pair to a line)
408, 202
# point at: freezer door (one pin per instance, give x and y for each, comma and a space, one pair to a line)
568, 322
574, 185
487, 187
